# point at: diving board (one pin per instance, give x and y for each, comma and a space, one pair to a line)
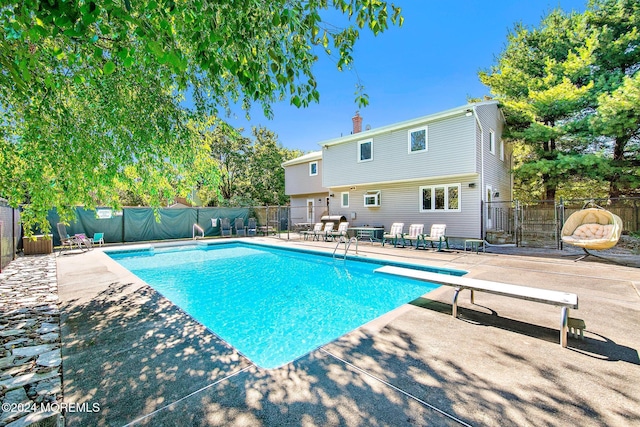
565, 300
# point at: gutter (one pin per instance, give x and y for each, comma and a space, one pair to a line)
482, 189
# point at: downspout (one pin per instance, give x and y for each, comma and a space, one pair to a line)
475, 114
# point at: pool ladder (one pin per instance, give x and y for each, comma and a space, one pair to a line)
347, 244
200, 229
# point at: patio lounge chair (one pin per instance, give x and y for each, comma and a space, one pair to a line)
317, 228
252, 227
341, 232
97, 238
66, 240
394, 234
415, 234
225, 227
437, 234
326, 231
83, 240
239, 225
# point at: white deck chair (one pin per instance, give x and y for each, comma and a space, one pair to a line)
414, 234
341, 232
394, 234
438, 234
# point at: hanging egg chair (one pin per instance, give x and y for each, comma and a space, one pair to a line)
592, 228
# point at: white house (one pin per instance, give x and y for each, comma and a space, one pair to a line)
441, 168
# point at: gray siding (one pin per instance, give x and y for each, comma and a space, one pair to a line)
400, 202
451, 151
497, 172
298, 181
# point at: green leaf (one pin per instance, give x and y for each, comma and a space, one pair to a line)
156, 48
109, 67
96, 68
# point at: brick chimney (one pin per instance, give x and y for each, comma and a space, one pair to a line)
357, 123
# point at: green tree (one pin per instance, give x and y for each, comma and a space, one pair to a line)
542, 81
250, 168
618, 119
616, 25
266, 175
230, 150
569, 88
91, 92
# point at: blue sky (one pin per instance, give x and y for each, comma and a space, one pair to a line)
428, 65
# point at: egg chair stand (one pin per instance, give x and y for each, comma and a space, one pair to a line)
592, 228
586, 254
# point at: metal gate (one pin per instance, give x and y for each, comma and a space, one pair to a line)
540, 224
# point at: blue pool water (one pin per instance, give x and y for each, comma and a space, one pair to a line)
272, 305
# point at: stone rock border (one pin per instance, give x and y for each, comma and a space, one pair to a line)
30, 360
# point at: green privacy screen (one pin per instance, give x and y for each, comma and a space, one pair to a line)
140, 224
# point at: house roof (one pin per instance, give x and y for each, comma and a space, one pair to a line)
405, 124
309, 157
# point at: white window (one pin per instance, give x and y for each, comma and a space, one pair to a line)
435, 198
417, 140
372, 198
344, 199
492, 142
501, 150
313, 168
365, 151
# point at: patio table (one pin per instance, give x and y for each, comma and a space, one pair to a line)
373, 234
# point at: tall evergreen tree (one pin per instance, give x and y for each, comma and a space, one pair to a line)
616, 73
540, 79
570, 95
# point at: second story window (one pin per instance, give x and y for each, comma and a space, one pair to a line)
313, 168
365, 151
417, 139
492, 142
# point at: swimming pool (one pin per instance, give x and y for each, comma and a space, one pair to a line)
273, 305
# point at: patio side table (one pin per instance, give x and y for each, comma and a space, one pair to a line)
474, 244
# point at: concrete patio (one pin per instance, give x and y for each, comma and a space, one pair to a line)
145, 362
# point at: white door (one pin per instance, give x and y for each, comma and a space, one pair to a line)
310, 211
488, 214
